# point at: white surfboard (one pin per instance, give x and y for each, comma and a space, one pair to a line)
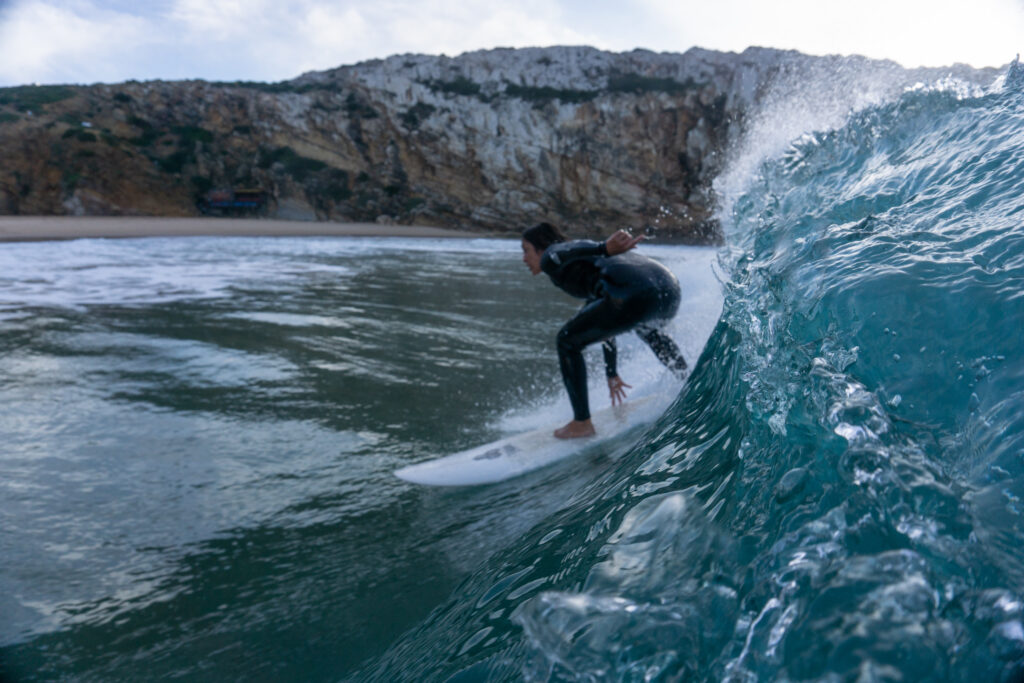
701, 307
516, 455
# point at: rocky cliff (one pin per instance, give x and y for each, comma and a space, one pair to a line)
497, 139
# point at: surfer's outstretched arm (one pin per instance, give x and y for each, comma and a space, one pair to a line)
558, 255
620, 242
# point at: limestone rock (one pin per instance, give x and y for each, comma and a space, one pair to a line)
496, 139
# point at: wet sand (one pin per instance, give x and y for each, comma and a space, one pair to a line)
42, 228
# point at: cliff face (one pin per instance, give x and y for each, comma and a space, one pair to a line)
498, 139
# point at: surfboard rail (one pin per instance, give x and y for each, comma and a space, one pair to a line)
521, 453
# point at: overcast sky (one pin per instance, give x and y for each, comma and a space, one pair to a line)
88, 41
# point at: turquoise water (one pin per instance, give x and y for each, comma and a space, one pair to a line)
837, 494
199, 437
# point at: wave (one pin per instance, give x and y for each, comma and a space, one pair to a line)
836, 494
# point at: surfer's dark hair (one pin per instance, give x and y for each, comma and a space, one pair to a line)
543, 235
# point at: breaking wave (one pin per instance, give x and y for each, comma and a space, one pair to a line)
836, 494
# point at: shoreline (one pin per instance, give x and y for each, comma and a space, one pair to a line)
62, 228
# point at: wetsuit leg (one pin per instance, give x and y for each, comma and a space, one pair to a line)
665, 349
597, 321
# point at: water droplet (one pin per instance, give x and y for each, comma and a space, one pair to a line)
1007, 640
791, 484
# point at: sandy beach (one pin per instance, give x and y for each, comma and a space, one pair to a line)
43, 228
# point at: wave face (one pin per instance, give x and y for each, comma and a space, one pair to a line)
837, 493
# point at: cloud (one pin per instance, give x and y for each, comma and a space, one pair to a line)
50, 41
87, 41
912, 32
71, 43
442, 26
298, 35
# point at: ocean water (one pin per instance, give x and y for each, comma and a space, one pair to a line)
198, 437
199, 434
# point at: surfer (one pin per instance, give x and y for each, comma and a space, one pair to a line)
623, 291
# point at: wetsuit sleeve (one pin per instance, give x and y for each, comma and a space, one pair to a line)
557, 255
610, 357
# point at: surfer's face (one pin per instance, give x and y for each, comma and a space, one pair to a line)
531, 257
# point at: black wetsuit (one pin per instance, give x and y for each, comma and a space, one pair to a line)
623, 292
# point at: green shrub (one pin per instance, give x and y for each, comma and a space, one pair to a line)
637, 84
146, 139
280, 87
149, 133
175, 162
79, 134
338, 192
193, 134
357, 108
415, 115
366, 198
546, 94
337, 185
70, 180
202, 184
8, 117
460, 86
30, 97
297, 166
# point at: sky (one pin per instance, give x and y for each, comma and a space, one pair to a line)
90, 41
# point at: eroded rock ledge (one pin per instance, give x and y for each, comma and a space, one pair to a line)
493, 140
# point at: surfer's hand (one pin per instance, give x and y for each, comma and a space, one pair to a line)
621, 242
617, 389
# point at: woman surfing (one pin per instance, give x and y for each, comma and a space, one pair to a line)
623, 291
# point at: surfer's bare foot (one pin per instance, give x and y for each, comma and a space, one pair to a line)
576, 429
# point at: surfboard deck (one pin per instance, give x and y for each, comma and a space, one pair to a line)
516, 455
